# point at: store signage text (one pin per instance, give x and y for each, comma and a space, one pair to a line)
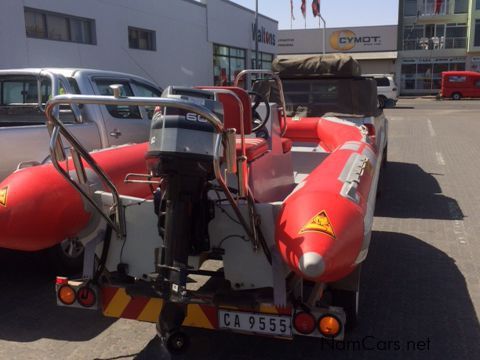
263, 36
346, 40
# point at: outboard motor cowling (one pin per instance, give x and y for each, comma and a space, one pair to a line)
182, 141
181, 153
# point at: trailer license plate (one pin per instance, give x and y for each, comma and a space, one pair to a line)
256, 323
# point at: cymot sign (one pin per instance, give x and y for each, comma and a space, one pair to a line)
344, 40
357, 39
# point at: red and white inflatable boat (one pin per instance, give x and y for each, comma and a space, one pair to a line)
285, 202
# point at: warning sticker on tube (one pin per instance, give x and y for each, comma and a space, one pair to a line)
319, 223
3, 196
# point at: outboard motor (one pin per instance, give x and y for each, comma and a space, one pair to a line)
181, 153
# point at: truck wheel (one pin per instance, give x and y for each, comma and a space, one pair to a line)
66, 258
348, 300
456, 96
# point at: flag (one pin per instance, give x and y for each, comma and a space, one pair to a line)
316, 8
291, 10
438, 6
304, 8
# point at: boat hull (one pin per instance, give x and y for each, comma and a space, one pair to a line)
41, 209
322, 225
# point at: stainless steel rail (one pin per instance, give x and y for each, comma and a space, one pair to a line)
278, 81
60, 129
56, 81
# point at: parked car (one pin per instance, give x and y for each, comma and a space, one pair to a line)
459, 84
23, 134
387, 90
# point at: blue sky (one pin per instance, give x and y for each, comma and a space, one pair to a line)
337, 13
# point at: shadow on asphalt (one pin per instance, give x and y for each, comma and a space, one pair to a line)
29, 311
412, 297
407, 191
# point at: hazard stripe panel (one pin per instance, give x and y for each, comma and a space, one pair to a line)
117, 303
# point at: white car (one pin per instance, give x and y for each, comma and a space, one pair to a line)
386, 88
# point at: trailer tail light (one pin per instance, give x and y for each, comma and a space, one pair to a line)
86, 296
304, 323
329, 326
66, 295
61, 280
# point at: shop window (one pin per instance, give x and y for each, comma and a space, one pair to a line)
410, 8
264, 62
427, 76
461, 6
456, 36
118, 111
228, 62
477, 33
477, 6
411, 37
54, 26
141, 39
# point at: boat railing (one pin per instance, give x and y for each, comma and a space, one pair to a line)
80, 155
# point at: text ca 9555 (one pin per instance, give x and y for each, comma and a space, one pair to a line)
276, 325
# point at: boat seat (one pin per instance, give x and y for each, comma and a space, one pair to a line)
231, 107
254, 148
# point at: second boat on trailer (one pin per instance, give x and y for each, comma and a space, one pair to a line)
259, 221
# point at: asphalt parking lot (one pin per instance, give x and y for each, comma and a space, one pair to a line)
420, 293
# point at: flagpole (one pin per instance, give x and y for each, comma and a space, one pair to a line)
320, 18
291, 14
256, 35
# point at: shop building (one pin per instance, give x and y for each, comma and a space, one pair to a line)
182, 42
375, 47
436, 36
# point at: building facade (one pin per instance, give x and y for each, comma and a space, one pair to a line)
181, 42
436, 36
375, 47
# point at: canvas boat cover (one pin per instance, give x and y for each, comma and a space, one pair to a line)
335, 65
318, 85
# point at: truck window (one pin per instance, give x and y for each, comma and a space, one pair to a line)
457, 79
19, 101
383, 81
144, 90
122, 112
22, 91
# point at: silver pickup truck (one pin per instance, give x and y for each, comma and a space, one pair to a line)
23, 93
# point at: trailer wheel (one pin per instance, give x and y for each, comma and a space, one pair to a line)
66, 258
348, 300
456, 96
